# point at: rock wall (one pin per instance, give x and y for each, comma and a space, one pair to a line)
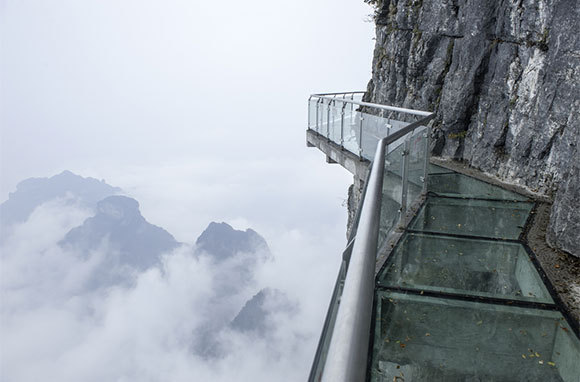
355, 192
503, 77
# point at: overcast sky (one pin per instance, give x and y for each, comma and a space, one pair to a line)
208, 94
195, 108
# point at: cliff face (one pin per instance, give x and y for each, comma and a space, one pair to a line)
504, 80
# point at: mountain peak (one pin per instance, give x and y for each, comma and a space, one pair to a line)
119, 221
33, 192
119, 207
256, 315
222, 241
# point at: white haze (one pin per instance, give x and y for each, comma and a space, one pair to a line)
55, 329
198, 110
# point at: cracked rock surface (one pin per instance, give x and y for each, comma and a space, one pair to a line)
503, 78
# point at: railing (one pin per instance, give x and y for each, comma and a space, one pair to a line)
397, 141
344, 120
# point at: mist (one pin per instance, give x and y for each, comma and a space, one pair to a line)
198, 111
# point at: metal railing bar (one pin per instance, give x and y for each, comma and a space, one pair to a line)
328, 121
405, 130
309, 112
317, 114
427, 136
340, 279
382, 107
342, 125
328, 321
405, 176
360, 136
339, 93
342, 351
348, 350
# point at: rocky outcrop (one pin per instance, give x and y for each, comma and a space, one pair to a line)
235, 254
120, 226
222, 241
355, 192
504, 80
257, 315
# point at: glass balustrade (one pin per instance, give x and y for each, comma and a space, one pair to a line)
342, 122
459, 297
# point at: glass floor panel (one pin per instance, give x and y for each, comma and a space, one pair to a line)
454, 184
452, 333
483, 218
466, 266
417, 338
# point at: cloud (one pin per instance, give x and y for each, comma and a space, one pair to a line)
142, 81
146, 330
198, 110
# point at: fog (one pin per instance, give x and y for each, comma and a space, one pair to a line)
198, 111
53, 329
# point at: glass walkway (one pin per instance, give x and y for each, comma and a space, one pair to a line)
461, 298
457, 294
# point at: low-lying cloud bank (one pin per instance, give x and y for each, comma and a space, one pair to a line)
170, 322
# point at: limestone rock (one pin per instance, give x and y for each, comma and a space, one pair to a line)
504, 81
119, 223
257, 314
222, 241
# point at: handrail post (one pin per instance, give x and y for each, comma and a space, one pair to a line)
388, 135
360, 148
317, 114
352, 106
405, 176
328, 120
342, 125
309, 111
427, 154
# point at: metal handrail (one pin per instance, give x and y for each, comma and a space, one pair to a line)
328, 325
375, 105
340, 93
347, 355
407, 129
315, 372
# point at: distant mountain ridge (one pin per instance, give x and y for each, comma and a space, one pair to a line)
222, 241
124, 237
32, 192
120, 223
118, 243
